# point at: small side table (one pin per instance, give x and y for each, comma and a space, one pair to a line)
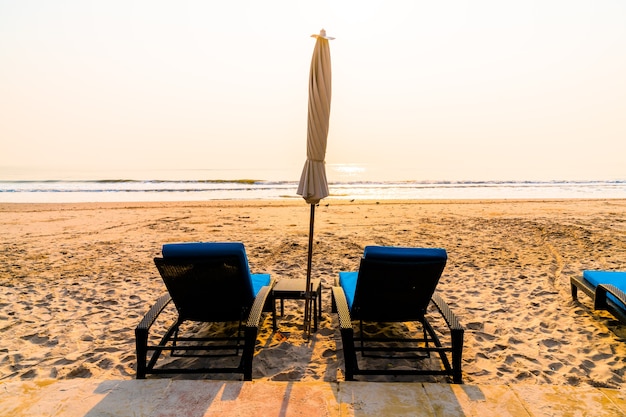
295, 289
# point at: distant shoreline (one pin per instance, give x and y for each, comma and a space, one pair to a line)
297, 201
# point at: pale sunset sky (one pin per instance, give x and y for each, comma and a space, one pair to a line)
434, 90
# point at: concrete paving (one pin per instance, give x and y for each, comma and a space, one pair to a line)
197, 398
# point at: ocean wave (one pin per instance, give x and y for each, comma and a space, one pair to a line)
213, 189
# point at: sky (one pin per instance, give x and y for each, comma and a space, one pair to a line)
424, 90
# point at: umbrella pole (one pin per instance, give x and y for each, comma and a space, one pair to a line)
308, 295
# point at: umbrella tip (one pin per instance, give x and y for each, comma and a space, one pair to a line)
322, 35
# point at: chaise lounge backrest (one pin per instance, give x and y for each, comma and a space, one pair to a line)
209, 281
396, 283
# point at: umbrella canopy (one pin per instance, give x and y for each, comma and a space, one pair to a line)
313, 185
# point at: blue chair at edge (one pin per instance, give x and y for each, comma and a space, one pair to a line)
396, 284
207, 282
607, 289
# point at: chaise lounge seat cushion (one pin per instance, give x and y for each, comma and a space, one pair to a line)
615, 278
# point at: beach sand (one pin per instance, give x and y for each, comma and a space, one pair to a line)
77, 278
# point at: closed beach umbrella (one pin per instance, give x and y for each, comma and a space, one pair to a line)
313, 185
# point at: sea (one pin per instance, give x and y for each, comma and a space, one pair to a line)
346, 181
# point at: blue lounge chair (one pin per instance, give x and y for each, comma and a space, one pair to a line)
396, 284
607, 289
207, 282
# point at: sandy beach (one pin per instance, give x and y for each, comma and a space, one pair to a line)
77, 278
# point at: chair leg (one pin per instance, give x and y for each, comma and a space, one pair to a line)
349, 353
574, 291
248, 352
141, 341
457, 352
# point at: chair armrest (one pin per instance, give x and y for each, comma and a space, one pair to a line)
252, 328
345, 322
451, 320
601, 298
152, 314
457, 331
141, 334
578, 282
254, 318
